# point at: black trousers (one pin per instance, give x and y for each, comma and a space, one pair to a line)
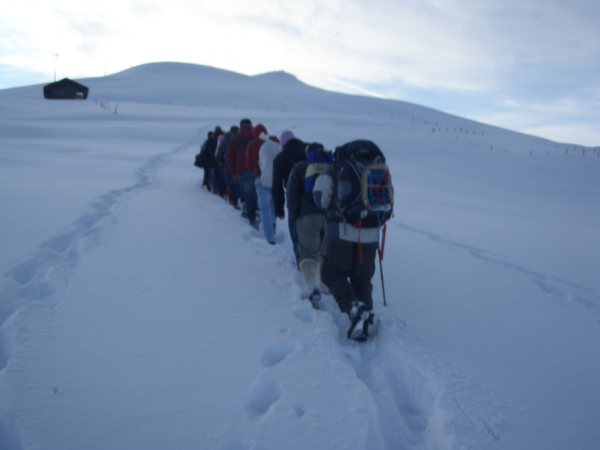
347, 278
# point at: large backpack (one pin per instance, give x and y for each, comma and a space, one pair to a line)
200, 158
365, 195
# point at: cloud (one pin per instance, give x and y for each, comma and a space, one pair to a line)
565, 119
462, 45
467, 54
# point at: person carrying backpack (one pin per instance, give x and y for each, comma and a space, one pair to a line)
357, 194
293, 151
236, 157
309, 220
208, 150
216, 185
202, 159
231, 187
249, 172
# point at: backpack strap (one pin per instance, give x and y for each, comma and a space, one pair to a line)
350, 166
382, 246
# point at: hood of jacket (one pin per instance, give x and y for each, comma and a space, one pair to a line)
258, 130
295, 150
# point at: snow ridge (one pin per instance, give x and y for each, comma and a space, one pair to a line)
552, 285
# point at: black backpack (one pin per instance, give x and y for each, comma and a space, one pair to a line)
198, 161
365, 195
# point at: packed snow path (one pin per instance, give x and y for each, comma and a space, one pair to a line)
149, 334
142, 341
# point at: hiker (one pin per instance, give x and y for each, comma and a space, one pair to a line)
293, 151
352, 227
309, 220
202, 159
236, 156
215, 179
208, 149
259, 157
230, 187
249, 172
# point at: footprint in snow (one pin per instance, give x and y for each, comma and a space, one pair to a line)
276, 353
304, 314
299, 410
260, 399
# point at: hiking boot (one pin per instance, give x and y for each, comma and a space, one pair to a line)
315, 298
361, 318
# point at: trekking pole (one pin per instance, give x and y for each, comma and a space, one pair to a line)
382, 283
380, 252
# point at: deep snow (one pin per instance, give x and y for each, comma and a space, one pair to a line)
140, 311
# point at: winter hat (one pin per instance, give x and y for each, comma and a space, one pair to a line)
245, 122
286, 136
315, 147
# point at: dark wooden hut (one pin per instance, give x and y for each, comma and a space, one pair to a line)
66, 89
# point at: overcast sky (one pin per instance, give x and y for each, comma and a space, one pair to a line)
528, 65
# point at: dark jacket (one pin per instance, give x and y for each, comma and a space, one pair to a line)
299, 202
293, 151
236, 150
221, 153
209, 149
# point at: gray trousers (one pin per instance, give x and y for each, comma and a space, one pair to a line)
346, 277
310, 231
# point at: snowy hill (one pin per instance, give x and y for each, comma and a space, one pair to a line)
139, 311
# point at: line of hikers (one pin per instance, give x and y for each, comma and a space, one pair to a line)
337, 205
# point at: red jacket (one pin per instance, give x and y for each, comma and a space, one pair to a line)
236, 151
252, 150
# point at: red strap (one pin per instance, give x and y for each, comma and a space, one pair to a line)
382, 248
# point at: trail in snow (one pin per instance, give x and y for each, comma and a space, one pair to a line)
409, 405
550, 284
403, 415
406, 399
44, 276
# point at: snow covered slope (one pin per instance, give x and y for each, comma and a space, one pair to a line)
140, 311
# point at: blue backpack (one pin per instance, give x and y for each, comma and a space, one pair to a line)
318, 160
